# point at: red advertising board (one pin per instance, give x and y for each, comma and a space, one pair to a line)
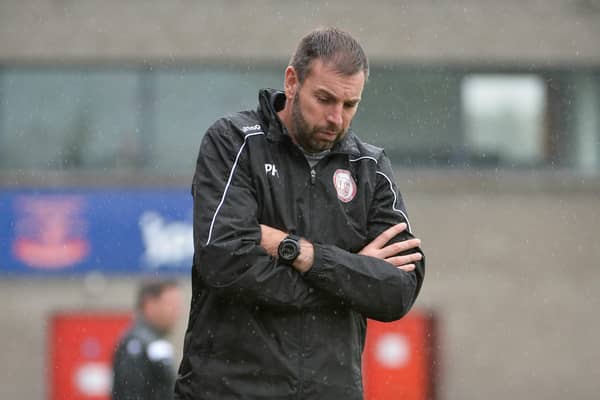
81, 346
398, 359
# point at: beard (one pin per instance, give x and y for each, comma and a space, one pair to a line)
306, 134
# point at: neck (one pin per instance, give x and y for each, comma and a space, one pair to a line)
285, 115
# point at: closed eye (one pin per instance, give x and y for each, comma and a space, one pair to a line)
324, 99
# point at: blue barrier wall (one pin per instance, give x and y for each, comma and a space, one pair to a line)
113, 231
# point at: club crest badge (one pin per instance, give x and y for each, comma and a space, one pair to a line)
50, 232
344, 185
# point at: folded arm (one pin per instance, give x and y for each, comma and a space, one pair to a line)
377, 282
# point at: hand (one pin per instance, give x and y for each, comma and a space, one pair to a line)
378, 249
270, 239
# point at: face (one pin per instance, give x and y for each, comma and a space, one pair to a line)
164, 311
323, 106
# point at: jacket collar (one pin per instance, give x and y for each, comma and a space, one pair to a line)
271, 101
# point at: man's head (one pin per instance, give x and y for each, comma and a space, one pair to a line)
160, 303
323, 86
332, 46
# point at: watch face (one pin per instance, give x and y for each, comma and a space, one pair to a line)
288, 250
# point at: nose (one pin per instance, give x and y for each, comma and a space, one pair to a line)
334, 115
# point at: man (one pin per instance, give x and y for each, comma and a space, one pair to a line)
300, 235
143, 362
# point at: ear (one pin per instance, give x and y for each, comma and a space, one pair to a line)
291, 82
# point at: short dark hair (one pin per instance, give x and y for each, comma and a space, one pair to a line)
330, 45
152, 289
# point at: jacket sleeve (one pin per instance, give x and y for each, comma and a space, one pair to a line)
143, 371
371, 286
129, 375
228, 257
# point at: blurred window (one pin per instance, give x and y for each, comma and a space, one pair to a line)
65, 118
150, 120
188, 101
504, 119
414, 114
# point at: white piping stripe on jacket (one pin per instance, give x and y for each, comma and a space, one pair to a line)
391, 188
395, 200
233, 167
364, 157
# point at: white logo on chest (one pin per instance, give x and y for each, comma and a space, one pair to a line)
344, 185
271, 169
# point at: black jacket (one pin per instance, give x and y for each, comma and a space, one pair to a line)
143, 367
259, 329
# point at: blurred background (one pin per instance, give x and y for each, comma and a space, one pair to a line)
489, 110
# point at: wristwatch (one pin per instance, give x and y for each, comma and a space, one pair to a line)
289, 249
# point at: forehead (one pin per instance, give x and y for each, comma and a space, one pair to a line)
324, 76
172, 291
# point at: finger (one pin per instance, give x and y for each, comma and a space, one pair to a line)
406, 259
399, 247
388, 234
404, 245
407, 267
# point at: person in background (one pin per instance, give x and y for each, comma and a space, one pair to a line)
300, 235
143, 365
